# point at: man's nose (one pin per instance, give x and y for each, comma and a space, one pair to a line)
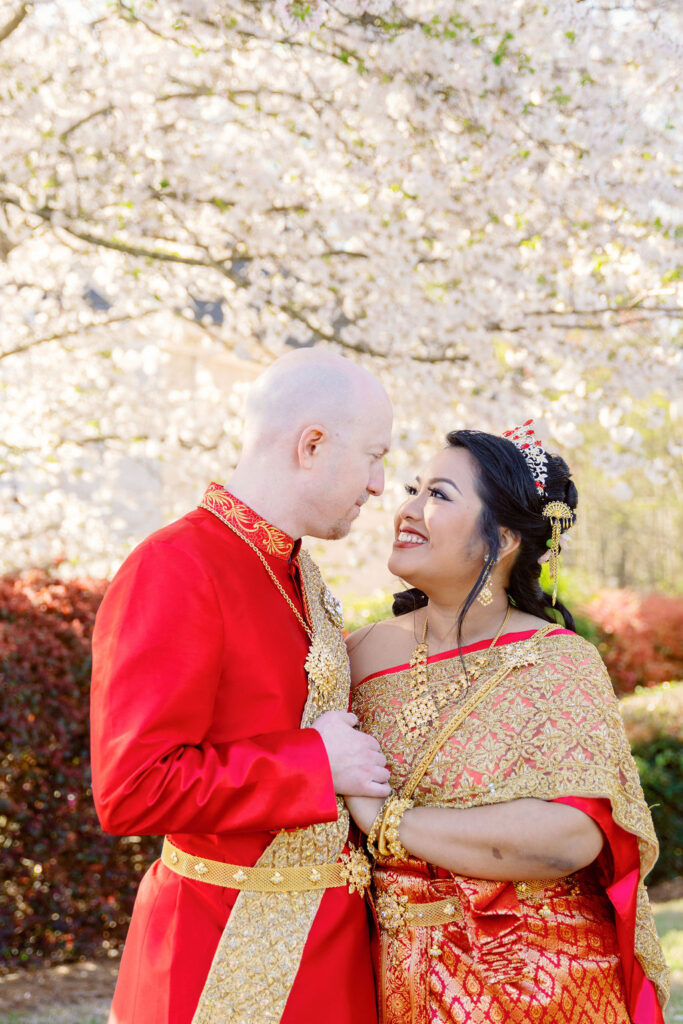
376, 481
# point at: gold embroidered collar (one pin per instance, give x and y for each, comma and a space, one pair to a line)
266, 537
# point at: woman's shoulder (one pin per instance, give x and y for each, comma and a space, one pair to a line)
380, 645
523, 622
579, 660
576, 644
562, 644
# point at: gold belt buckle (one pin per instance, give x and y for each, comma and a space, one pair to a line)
392, 912
355, 870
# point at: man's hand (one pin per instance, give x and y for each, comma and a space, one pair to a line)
356, 759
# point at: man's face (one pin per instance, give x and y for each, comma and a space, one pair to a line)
350, 470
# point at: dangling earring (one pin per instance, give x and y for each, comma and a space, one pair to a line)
485, 595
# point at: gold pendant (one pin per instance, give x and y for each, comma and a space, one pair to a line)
419, 713
456, 688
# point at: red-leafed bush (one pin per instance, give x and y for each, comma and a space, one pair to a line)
640, 637
66, 888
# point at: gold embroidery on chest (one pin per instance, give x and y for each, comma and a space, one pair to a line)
327, 663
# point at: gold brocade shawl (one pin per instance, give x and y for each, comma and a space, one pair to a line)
550, 729
260, 950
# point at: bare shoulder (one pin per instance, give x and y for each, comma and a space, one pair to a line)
520, 621
380, 645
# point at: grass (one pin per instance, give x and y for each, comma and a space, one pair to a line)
15, 1018
669, 918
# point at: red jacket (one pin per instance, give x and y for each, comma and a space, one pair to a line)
197, 695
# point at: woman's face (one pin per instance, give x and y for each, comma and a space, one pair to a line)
437, 545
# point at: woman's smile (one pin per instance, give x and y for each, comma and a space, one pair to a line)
407, 538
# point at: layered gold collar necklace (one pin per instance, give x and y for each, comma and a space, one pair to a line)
418, 714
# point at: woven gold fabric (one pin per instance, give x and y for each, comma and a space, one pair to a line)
550, 729
259, 953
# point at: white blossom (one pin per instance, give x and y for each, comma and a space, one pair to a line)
479, 201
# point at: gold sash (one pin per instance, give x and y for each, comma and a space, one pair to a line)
260, 950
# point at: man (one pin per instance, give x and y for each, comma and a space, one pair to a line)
206, 726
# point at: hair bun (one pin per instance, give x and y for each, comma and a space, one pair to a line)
559, 484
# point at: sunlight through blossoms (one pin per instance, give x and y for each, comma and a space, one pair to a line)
478, 200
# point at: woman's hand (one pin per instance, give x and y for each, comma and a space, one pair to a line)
363, 810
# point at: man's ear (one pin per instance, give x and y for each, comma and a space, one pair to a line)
310, 442
509, 542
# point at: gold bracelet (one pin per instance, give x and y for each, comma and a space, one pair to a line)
374, 828
388, 842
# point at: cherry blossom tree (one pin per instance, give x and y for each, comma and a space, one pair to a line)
478, 200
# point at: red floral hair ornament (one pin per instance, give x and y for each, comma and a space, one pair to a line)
531, 448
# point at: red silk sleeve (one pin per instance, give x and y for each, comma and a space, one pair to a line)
158, 654
620, 865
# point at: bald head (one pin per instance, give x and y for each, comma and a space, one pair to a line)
317, 427
307, 387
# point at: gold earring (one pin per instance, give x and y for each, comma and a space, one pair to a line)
485, 595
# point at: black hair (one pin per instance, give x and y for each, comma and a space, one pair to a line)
509, 497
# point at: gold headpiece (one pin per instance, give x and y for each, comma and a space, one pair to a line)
561, 517
560, 514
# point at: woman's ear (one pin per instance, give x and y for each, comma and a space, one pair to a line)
509, 542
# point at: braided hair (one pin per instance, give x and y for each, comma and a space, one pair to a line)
509, 498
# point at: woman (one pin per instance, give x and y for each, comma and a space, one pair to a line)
509, 888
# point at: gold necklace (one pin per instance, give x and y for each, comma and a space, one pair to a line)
275, 580
419, 712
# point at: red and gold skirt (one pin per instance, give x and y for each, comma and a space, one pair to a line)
495, 952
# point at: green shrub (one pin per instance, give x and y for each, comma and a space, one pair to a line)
360, 611
652, 713
653, 718
660, 765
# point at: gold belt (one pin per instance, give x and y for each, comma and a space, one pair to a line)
395, 913
352, 869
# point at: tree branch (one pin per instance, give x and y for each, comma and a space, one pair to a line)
15, 21
224, 268
84, 120
631, 313
635, 311
81, 329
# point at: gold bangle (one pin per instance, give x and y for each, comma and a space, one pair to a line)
374, 828
388, 842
